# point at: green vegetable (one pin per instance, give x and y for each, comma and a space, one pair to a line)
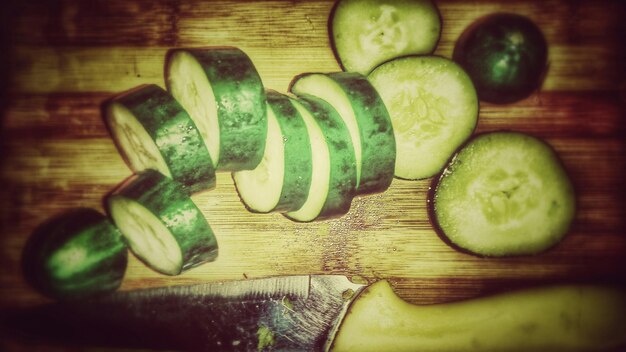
162, 225
366, 33
281, 181
153, 131
504, 193
433, 108
367, 119
505, 55
76, 254
223, 93
334, 164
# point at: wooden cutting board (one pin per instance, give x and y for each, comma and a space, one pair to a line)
63, 58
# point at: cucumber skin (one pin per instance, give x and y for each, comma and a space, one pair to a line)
298, 167
342, 180
86, 225
162, 116
166, 199
378, 143
235, 83
487, 41
432, 191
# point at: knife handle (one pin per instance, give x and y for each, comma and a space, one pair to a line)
564, 318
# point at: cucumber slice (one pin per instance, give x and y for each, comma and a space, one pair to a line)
433, 108
504, 193
366, 33
281, 181
367, 119
162, 225
224, 95
76, 254
334, 164
153, 131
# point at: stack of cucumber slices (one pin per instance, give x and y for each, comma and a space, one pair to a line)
397, 111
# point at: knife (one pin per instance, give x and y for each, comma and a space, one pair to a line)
322, 312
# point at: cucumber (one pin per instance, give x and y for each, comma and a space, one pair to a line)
367, 119
153, 131
161, 224
76, 254
334, 163
433, 108
223, 93
504, 193
366, 33
281, 181
505, 54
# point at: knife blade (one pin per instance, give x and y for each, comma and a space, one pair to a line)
293, 313
316, 313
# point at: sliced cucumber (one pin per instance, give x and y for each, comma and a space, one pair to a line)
76, 254
153, 131
162, 225
334, 164
504, 193
433, 108
366, 33
281, 181
367, 119
223, 93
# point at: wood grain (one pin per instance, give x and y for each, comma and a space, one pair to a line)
67, 56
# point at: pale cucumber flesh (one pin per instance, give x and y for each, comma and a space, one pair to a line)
142, 153
368, 33
188, 83
147, 236
260, 189
504, 193
433, 108
320, 170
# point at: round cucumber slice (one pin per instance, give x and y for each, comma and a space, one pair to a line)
366, 33
504, 193
433, 108
161, 224
281, 181
223, 93
367, 119
153, 131
76, 254
334, 164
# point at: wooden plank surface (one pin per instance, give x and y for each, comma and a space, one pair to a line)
65, 57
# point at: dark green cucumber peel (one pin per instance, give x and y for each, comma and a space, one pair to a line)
167, 200
240, 98
454, 162
506, 56
175, 135
298, 168
76, 254
342, 181
378, 146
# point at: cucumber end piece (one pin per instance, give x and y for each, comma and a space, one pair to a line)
76, 254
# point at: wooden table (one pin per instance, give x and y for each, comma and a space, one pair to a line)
63, 58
